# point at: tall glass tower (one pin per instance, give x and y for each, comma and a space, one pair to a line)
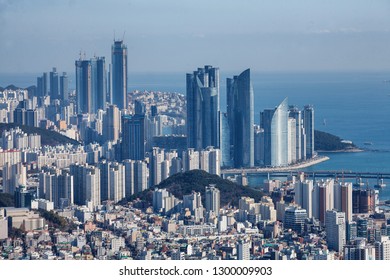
308, 123
90, 85
83, 85
241, 118
203, 116
133, 137
274, 122
54, 88
119, 74
99, 83
64, 86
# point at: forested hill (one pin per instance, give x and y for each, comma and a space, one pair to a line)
324, 141
196, 180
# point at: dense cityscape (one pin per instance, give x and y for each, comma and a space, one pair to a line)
84, 174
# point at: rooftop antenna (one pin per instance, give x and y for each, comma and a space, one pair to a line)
123, 38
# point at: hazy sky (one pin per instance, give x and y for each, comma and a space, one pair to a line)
180, 35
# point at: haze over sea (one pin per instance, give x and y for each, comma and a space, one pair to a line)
352, 105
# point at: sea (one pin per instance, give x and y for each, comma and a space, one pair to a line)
352, 105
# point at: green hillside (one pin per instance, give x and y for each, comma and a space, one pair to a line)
196, 180
324, 141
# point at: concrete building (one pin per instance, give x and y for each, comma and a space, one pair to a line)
213, 199
335, 230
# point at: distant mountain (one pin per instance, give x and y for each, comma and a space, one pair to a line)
48, 137
13, 87
196, 180
324, 141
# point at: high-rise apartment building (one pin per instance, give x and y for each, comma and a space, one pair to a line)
275, 125
243, 250
241, 119
226, 152
304, 195
343, 198
203, 124
213, 199
54, 88
64, 83
112, 181
90, 85
300, 136
111, 123
86, 184
99, 83
84, 86
133, 137
335, 230
156, 163
210, 160
190, 159
308, 123
141, 176
129, 177
323, 198
119, 74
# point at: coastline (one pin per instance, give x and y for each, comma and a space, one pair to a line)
355, 150
300, 165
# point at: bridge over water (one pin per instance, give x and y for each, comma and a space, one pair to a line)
274, 172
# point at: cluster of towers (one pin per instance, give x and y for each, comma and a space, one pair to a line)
285, 134
53, 86
95, 88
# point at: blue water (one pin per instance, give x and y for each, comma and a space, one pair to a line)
355, 106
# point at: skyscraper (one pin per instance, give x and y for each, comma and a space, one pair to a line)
42, 89
226, 155
111, 123
119, 74
300, 136
54, 88
90, 85
99, 83
63, 190
83, 85
129, 177
241, 119
64, 86
213, 199
275, 124
304, 195
203, 128
323, 198
308, 123
86, 184
335, 230
133, 137
141, 176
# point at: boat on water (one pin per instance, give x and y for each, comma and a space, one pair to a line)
367, 143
